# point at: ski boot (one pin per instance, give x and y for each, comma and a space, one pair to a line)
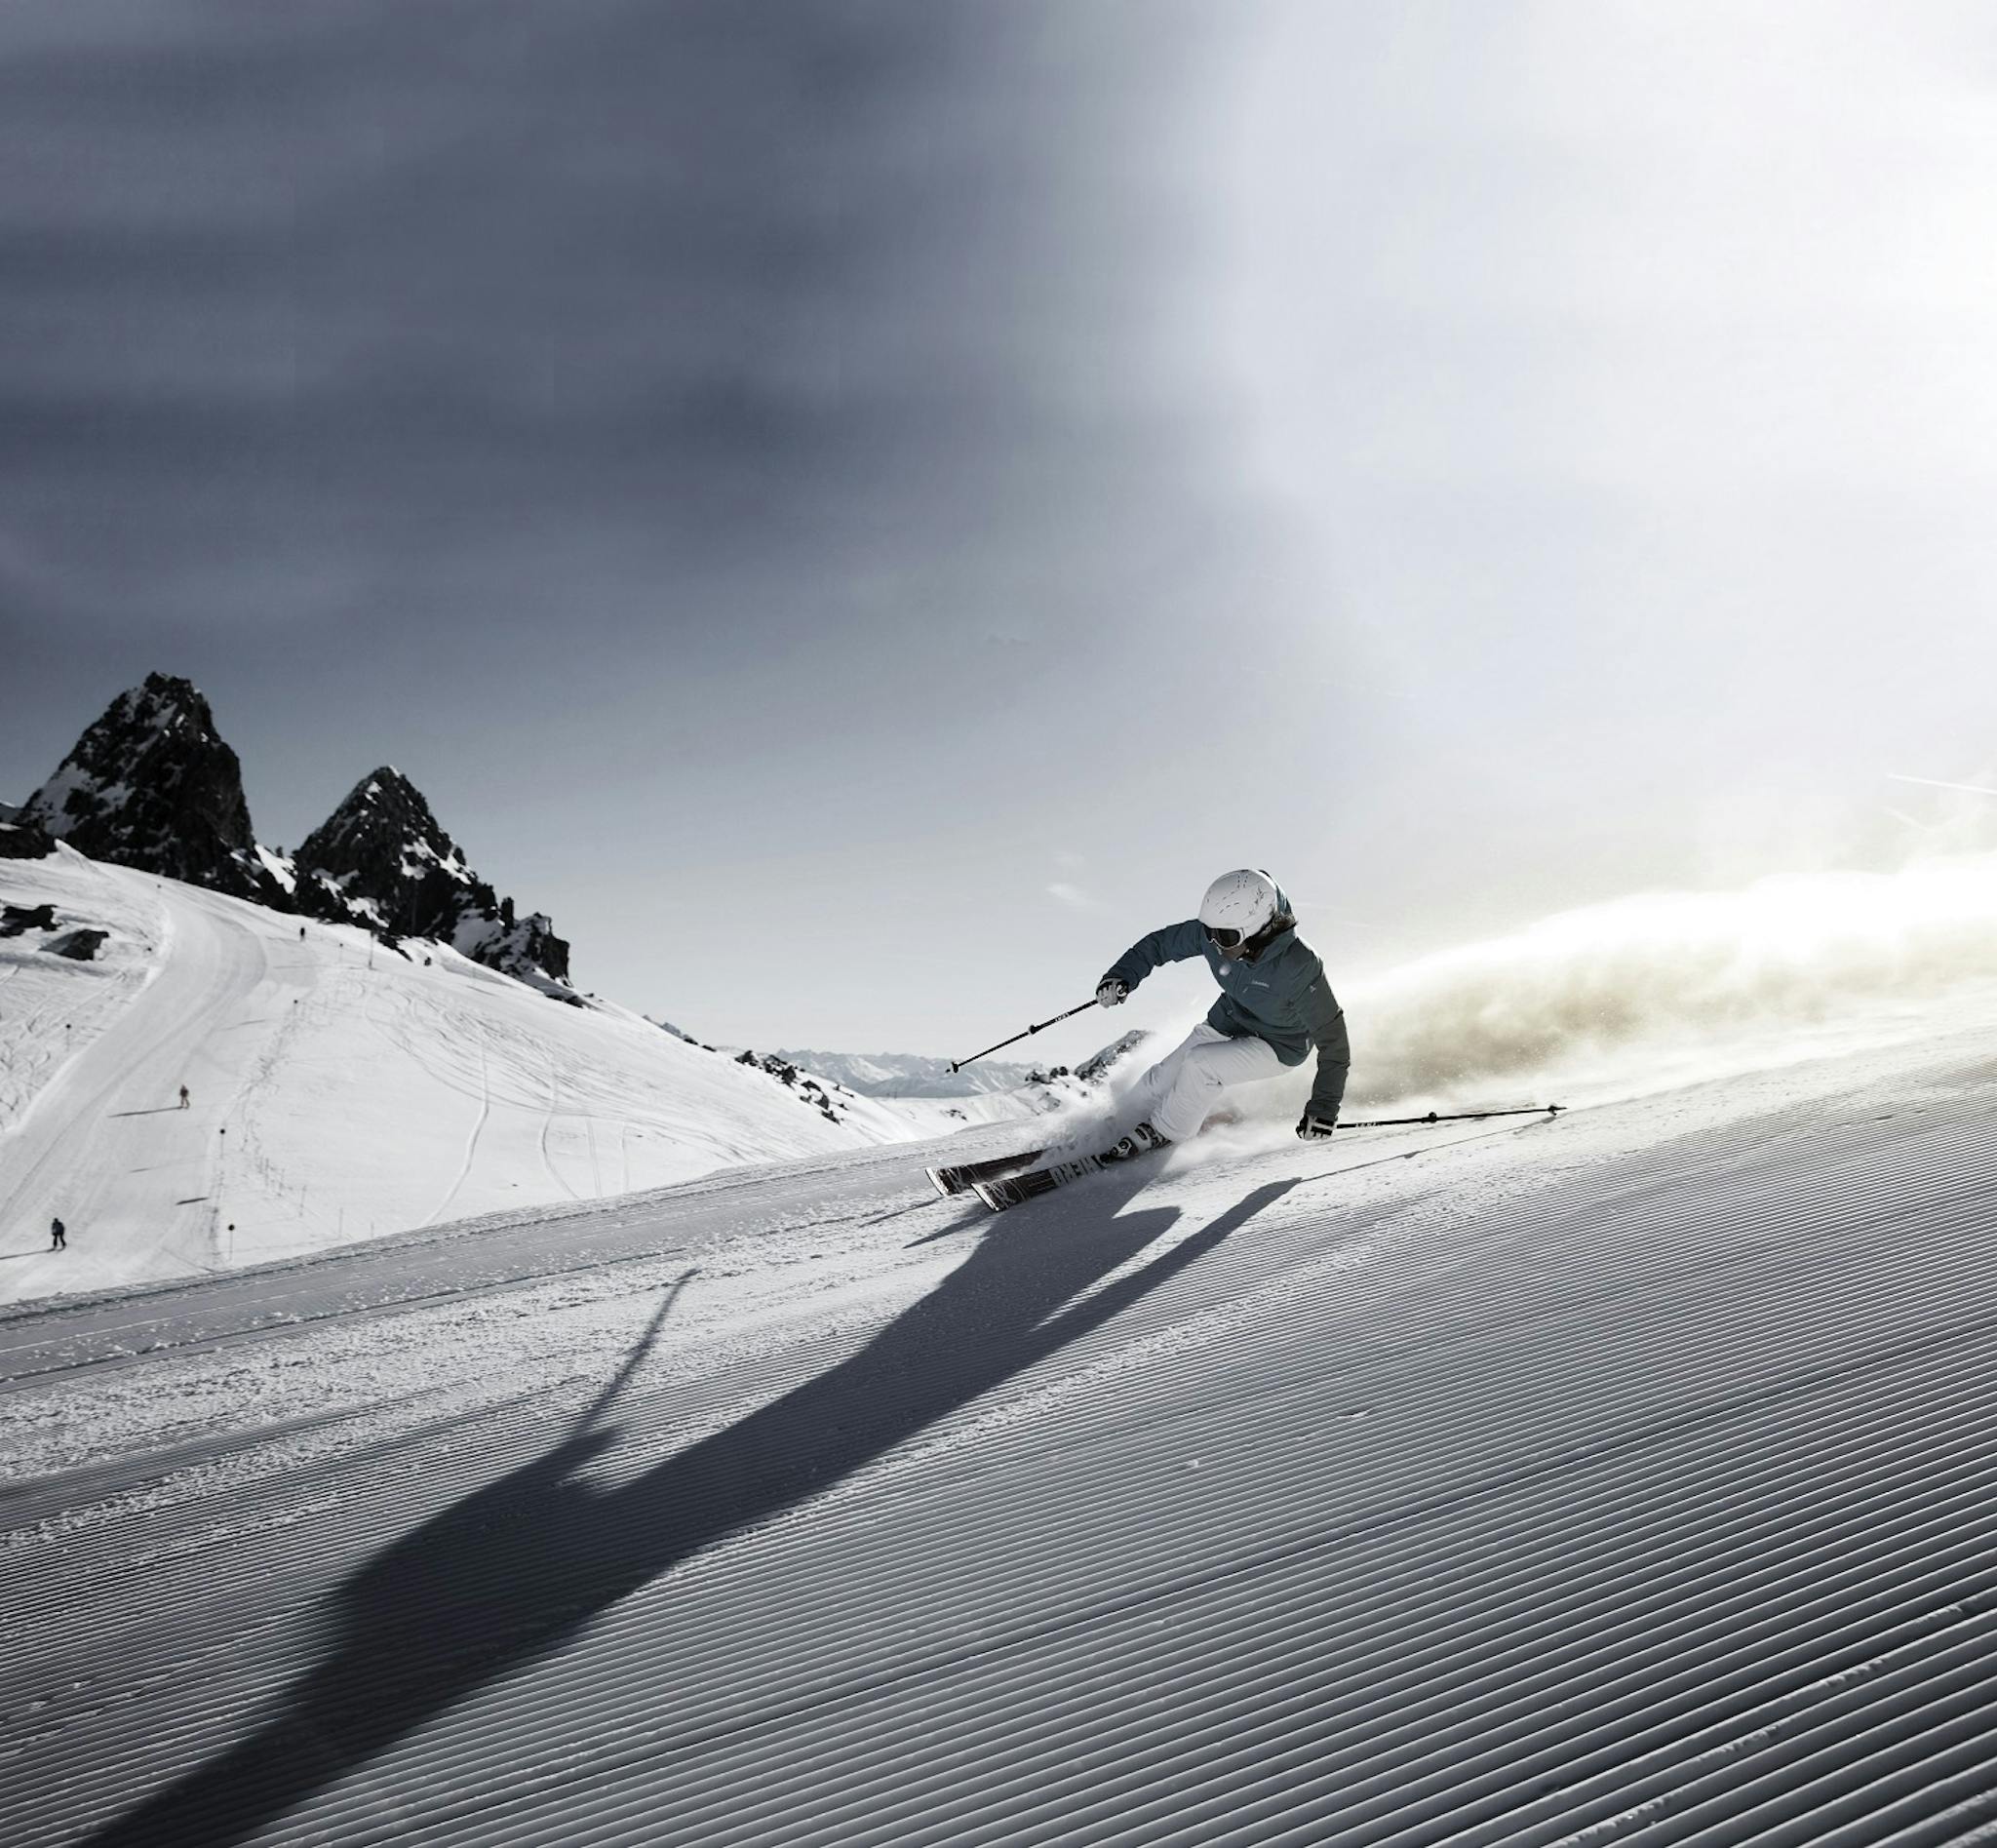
1139, 1141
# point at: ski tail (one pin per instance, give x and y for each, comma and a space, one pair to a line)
948, 1181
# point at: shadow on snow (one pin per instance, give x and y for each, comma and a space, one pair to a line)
517, 1567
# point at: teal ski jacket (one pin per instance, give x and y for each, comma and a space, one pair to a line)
1279, 996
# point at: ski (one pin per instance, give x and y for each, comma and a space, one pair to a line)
950, 1181
1011, 1190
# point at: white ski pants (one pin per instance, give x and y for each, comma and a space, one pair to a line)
1176, 1093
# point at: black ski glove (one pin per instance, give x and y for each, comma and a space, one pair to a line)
1311, 1127
1111, 992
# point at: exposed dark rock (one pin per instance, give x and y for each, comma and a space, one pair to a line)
1093, 1068
79, 946
522, 947
17, 918
780, 1069
25, 841
808, 1090
382, 859
151, 785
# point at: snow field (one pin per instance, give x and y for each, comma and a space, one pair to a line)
340, 1090
1502, 1484
50, 1008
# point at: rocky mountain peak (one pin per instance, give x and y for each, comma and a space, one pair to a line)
384, 831
150, 784
383, 858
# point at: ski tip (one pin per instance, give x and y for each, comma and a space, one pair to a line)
937, 1181
990, 1196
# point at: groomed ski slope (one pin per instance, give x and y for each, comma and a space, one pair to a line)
338, 1091
1630, 1476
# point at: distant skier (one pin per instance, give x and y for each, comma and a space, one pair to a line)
1275, 1006
58, 1236
184, 1097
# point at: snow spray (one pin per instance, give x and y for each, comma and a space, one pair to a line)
1662, 989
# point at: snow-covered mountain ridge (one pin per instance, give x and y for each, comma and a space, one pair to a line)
911, 1075
383, 860
152, 785
337, 1089
907, 1073
359, 1025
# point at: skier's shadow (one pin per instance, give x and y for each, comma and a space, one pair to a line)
519, 1565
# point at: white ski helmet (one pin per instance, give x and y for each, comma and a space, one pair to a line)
1238, 907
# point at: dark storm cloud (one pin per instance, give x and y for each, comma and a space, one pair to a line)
296, 299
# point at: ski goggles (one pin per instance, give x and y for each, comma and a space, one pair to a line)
1221, 936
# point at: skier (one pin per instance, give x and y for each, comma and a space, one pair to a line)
184, 1097
58, 1236
1275, 1006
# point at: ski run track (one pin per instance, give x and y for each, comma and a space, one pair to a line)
338, 1090
1625, 1477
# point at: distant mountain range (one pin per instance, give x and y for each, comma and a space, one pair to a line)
910, 1075
151, 785
907, 1073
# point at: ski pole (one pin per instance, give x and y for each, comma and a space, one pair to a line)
1017, 1037
1462, 1116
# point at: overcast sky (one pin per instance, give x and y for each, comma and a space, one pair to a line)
861, 509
